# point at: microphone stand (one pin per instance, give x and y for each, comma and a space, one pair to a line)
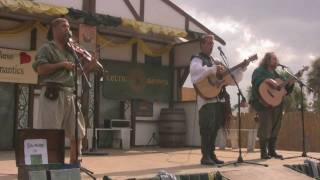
301, 85
79, 65
240, 95
93, 151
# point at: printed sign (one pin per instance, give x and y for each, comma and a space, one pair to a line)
16, 66
136, 81
35, 151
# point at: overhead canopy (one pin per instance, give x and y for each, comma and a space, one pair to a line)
138, 26
94, 19
32, 7
145, 28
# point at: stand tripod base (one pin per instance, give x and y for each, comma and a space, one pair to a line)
240, 161
152, 139
303, 155
88, 172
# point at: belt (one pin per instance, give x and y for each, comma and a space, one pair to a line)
68, 89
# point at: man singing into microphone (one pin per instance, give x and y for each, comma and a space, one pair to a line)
212, 112
269, 117
55, 66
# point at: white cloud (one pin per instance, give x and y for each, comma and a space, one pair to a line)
245, 37
311, 56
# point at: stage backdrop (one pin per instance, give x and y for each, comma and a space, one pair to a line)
16, 66
136, 81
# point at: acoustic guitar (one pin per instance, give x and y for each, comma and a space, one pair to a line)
211, 86
272, 97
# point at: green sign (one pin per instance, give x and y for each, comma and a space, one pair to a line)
136, 81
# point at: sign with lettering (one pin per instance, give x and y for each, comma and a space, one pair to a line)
35, 151
16, 66
136, 81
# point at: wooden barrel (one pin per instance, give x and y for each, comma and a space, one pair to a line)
172, 128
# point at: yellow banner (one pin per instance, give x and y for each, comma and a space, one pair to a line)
16, 66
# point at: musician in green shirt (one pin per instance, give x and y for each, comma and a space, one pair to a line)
55, 65
269, 117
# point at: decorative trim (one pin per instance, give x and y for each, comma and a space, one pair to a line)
186, 24
142, 4
32, 7
33, 46
171, 65
89, 5
134, 52
132, 10
184, 75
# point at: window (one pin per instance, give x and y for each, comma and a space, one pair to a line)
156, 61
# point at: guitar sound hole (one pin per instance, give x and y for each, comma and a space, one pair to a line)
270, 93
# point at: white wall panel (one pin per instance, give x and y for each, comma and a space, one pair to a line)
183, 53
15, 41
144, 130
41, 38
157, 12
192, 123
116, 53
114, 8
122, 53
76, 4
195, 28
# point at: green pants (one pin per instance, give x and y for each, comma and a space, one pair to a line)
269, 123
210, 118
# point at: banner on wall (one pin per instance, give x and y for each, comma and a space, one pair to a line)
16, 66
136, 81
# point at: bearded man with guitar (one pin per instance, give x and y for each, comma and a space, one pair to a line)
214, 108
266, 85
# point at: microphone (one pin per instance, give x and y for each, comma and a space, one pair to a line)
283, 66
221, 52
68, 36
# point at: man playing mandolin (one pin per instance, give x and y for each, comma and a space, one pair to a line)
269, 115
213, 111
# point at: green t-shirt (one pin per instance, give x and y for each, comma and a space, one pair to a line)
50, 53
258, 76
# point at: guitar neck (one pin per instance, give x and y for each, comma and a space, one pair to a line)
298, 75
234, 68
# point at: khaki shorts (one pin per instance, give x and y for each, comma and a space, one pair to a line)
60, 113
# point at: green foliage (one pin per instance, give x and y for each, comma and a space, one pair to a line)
314, 82
314, 77
292, 102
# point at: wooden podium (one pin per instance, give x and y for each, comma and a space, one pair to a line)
55, 150
55, 143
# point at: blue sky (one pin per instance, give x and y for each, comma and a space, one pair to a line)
290, 28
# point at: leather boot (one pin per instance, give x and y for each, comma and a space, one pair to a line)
263, 149
212, 150
272, 149
215, 159
205, 148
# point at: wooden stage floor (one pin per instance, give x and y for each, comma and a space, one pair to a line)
142, 162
